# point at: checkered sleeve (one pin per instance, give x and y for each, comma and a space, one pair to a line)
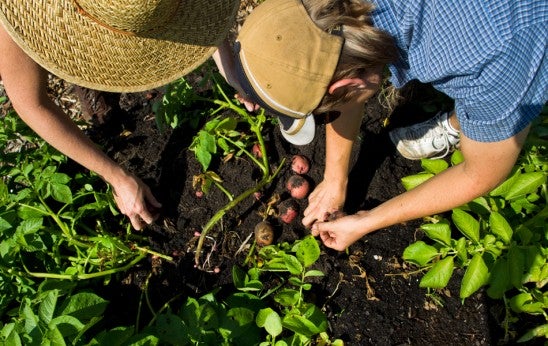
488, 55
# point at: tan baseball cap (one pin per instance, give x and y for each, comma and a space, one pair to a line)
286, 63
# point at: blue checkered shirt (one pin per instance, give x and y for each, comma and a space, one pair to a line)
488, 55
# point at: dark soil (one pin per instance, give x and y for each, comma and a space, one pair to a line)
369, 294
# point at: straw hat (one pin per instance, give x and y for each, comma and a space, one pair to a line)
118, 45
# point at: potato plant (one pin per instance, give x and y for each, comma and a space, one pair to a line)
293, 320
53, 226
500, 240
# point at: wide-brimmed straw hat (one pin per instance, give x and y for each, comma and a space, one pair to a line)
118, 45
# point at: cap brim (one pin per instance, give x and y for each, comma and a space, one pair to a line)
298, 131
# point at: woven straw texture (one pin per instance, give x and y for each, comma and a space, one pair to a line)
118, 45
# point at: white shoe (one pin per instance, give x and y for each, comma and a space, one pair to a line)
434, 138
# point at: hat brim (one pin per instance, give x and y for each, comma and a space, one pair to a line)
84, 52
298, 131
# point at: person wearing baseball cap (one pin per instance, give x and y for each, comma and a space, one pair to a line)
108, 45
305, 58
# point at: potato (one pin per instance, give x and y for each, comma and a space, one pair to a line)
300, 164
288, 210
256, 151
264, 233
298, 186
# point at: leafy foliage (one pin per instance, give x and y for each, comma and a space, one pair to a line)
500, 240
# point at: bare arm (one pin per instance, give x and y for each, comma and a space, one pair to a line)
485, 166
25, 84
330, 194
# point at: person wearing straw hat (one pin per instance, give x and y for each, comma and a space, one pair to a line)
109, 45
304, 58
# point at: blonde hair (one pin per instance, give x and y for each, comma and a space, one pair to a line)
365, 46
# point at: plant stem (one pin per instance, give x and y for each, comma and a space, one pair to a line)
266, 180
87, 276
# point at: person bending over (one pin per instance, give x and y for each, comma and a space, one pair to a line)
302, 59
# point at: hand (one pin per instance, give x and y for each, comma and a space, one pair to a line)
326, 198
248, 103
341, 233
135, 200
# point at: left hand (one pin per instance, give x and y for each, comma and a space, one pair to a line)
326, 198
341, 233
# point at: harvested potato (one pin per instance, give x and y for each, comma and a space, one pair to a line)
264, 233
288, 210
300, 164
298, 186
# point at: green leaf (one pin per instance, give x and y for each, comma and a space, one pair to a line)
499, 279
476, 275
287, 297
500, 227
438, 276
61, 193
412, 181
537, 332
171, 328
307, 251
457, 157
504, 187
312, 322
204, 158
462, 252
420, 253
60, 178
526, 183
84, 306
47, 306
516, 266
314, 273
440, 232
524, 302
292, 264
270, 320
466, 224
67, 325
434, 166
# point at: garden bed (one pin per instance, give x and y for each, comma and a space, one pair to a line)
368, 293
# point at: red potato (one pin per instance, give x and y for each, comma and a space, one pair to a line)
264, 233
298, 186
300, 164
256, 151
288, 210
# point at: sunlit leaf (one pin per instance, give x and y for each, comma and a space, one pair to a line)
420, 253
412, 181
438, 276
440, 232
307, 251
476, 275
466, 224
526, 183
434, 166
500, 227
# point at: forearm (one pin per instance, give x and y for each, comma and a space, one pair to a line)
56, 128
486, 165
340, 137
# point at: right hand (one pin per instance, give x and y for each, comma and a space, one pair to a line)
326, 198
136, 201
